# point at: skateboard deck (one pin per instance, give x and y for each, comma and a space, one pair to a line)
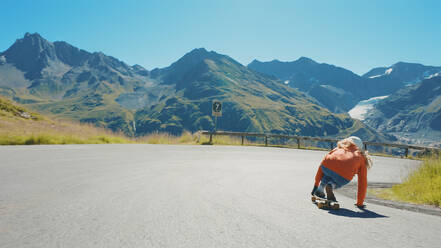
324, 203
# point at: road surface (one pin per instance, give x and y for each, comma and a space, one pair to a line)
190, 196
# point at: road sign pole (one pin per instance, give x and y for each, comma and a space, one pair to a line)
216, 112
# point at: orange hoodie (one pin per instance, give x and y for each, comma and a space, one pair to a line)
346, 163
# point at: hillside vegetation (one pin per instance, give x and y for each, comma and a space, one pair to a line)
19, 126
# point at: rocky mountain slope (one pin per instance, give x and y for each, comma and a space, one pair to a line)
334, 87
406, 73
413, 114
60, 79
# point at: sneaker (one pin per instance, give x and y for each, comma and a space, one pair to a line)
319, 194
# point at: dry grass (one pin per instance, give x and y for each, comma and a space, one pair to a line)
188, 138
165, 138
19, 131
42, 132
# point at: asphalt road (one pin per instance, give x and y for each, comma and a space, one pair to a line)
190, 196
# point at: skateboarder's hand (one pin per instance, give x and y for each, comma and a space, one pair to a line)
360, 206
314, 190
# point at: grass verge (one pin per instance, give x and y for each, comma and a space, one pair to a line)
222, 140
421, 187
52, 139
32, 132
164, 138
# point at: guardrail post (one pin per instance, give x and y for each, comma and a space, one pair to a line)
406, 152
211, 138
365, 147
298, 143
242, 139
266, 140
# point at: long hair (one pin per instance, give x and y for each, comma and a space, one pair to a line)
346, 143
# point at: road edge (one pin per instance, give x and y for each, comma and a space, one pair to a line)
350, 190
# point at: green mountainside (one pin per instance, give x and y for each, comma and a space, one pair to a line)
251, 102
66, 82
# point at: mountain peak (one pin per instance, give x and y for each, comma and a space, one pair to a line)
194, 56
199, 54
306, 60
195, 61
255, 61
200, 50
35, 40
30, 54
32, 36
401, 63
140, 70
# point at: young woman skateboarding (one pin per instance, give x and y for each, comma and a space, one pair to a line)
339, 167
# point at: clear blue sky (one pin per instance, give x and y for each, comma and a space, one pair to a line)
357, 35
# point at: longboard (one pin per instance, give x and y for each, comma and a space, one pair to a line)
324, 203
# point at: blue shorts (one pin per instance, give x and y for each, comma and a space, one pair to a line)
332, 178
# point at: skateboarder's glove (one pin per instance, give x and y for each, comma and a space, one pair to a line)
314, 190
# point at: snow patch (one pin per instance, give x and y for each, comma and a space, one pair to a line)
386, 72
434, 75
333, 89
376, 76
374, 99
363, 107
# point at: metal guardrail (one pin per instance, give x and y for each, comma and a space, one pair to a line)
300, 138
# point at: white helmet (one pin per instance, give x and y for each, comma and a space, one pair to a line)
357, 141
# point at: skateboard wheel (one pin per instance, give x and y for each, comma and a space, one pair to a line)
320, 205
